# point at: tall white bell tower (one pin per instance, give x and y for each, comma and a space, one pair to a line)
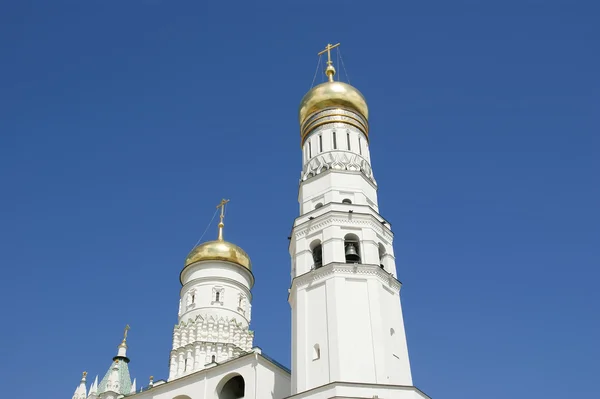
348, 335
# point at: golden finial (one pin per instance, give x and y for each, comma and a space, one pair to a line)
221, 225
84, 375
330, 70
124, 342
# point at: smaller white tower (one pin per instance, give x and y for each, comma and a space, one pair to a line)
80, 392
214, 307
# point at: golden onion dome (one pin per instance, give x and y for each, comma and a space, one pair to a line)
219, 250
333, 94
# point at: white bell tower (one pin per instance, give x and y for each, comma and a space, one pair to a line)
348, 335
214, 307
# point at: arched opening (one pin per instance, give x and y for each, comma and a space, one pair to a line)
352, 248
317, 253
234, 388
213, 359
381, 255
346, 201
318, 205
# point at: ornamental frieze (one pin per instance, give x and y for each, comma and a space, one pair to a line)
337, 160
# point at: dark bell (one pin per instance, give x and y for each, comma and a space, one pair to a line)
351, 254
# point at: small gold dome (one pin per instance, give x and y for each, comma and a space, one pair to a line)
333, 94
219, 250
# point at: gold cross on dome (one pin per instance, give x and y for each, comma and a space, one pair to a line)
328, 49
330, 70
221, 225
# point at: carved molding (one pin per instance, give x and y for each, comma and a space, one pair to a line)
341, 268
205, 330
333, 219
337, 160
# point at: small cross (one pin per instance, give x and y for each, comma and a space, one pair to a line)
125, 333
328, 49
222, 206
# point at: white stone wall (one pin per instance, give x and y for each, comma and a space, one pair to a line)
349, 311
322, 140
214, 317
262, 380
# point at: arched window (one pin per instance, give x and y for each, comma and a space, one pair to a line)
213, 359
234, 388
217, 296
318, 205
317, 253
352, 248
381, 255
346, 201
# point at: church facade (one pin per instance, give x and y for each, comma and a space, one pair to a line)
348, 338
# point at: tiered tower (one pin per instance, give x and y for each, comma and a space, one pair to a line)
348, 335
214, 306
116, 382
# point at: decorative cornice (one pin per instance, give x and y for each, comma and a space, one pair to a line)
347, 269
332, 217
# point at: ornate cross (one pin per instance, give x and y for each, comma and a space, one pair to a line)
125, 333
328, 49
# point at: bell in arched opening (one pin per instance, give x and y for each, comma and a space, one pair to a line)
352, 255
317, 254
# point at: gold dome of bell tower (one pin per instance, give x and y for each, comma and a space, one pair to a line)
219, 249
334, 95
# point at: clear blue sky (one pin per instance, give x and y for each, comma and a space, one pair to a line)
123, 123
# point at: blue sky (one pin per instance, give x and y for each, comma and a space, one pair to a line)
123, 123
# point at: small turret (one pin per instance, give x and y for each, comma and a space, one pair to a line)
93, 393
80, 392
117, 377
